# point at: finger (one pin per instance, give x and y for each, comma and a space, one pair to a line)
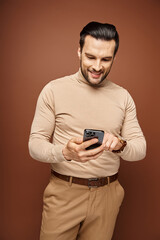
113, 144
90, 154
109, 142
86, 159
77, 140
105, 138
88, 143
74, 143
93, 152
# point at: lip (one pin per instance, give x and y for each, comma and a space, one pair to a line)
95, 74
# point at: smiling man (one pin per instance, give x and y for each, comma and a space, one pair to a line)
83, 197
96, 58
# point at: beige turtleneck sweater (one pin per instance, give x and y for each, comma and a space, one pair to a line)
66, 107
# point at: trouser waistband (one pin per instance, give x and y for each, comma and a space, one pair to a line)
90, 182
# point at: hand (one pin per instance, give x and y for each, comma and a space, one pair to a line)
111, 142
76, 150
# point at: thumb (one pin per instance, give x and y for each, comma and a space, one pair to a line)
77, 140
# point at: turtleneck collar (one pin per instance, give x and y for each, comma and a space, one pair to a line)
82, 80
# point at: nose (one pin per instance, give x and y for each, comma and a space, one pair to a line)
97, 66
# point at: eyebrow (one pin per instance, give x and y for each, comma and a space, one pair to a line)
90, 55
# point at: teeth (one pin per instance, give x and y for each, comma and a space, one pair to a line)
96, 73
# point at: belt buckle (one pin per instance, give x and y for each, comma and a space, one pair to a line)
92, 180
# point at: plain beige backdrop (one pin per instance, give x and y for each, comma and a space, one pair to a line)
39, 41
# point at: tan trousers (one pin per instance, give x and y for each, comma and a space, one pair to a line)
76, 212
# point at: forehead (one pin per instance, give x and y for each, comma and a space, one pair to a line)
98, 47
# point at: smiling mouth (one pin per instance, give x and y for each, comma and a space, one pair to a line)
95, 74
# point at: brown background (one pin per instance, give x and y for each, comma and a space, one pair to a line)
39, 43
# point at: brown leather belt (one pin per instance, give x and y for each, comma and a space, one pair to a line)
90, 182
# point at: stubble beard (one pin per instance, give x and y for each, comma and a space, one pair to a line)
85, 75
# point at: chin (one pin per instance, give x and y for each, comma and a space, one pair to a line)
94, 82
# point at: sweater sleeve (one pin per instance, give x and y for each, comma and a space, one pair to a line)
40, 147
132, 133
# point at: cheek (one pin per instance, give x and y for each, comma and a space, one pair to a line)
107, 67
86, 63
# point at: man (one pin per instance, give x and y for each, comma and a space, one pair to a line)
83, 197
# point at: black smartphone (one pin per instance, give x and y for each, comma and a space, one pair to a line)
92, 133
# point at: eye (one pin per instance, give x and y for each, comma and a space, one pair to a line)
106, 60
90, 57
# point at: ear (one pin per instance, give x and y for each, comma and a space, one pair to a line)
79, 52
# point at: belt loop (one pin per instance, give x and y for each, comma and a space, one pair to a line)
70, 181
108, 178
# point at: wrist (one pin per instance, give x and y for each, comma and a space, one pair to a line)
64, 152
123, 144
